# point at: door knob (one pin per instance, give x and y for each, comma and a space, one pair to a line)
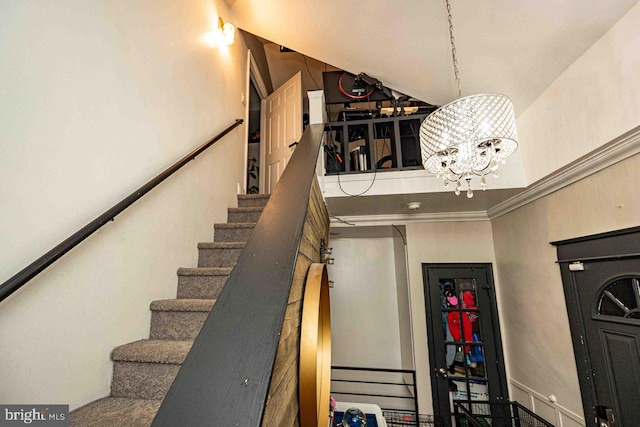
605, 417
443, 373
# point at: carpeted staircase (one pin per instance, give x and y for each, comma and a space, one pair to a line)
144, 370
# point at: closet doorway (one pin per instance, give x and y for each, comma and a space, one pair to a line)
254, 99
465, 349
253, 151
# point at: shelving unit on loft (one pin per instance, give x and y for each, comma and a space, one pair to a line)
378, 144
371, 127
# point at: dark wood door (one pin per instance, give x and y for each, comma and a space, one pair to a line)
465, 350
609, 298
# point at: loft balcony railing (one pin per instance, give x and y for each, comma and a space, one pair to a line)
374, 145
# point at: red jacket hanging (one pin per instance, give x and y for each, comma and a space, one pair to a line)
453, 319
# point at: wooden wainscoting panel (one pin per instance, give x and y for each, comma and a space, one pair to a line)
282, 407
297, 285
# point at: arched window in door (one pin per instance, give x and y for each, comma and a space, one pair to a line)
620, 298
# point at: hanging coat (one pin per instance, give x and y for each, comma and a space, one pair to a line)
468, 318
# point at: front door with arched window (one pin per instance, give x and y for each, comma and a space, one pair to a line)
601, 277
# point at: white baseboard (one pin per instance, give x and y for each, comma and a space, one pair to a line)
542, 406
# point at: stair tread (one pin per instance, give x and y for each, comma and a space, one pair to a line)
253, 196
204, 271
248, 209
221, 245
163, 355
152, 351
183, 304
115, 411
232, 225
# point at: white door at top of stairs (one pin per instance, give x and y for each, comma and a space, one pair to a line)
283, 127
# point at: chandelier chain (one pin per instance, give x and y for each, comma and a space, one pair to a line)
453, 49
468, 137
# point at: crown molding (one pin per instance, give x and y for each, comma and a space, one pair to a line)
371, 220
619, 149
609, 154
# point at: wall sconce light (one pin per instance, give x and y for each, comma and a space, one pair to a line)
224, 35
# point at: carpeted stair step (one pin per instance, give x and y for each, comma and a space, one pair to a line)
252, 200
115, 412
178, 319
251, 214
219, 254
237, 232
201, 282
145, 369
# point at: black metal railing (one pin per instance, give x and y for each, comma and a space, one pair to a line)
390, 389
224, 381
374, 145
36, 267
497, 414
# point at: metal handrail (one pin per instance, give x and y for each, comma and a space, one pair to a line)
36, 267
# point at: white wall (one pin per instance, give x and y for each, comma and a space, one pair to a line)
98, 97
594, 101
537, 338
284, 65
364, 309
370, 319
439, 242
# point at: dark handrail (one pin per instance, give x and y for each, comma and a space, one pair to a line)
33, 269
224, 381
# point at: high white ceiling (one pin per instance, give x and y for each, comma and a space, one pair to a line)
515, 47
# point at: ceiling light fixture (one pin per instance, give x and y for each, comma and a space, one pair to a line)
470, 136
414, 205
224, 35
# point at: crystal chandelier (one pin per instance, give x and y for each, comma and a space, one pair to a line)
468, 137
